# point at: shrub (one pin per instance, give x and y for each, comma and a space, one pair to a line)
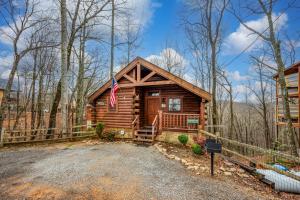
183, 139
200, 140
111, 136
99, 130
197, 149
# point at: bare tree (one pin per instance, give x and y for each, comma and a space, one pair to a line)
64, 67
91, 12
170, 59
210, 15
261, 94
17, 28
271, 37
130, 36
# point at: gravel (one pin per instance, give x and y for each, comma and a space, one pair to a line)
105, 171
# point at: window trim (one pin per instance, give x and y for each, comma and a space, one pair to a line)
181, 104
108, 105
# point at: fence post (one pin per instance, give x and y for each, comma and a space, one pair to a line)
2, 137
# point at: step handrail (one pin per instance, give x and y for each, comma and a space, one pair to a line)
134, 124
154, 126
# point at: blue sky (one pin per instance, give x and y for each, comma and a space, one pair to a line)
161, 22
165, 22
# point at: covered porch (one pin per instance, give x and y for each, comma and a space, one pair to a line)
165, 108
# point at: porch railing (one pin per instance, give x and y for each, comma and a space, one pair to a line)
180, 121
135, 124
154, 127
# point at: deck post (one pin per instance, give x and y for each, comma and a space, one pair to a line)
160, 121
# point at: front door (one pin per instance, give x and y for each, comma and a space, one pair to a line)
152, 107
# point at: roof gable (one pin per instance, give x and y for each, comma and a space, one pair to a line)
144, 81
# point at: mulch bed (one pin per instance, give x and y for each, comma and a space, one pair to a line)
224, 170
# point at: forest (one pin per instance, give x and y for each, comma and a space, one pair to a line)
55, 53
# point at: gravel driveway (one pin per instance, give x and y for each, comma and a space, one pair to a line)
104, 171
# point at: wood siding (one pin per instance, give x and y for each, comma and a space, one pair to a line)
121, 118
190, 102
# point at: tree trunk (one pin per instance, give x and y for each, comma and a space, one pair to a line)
214, 88
39, 101
52, 117
112, 45
80, 81
64, 70
8, 87
33, 91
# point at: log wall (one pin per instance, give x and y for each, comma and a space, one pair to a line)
121, 118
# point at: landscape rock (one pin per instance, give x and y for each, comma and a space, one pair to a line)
243, 175
222, 169
204, 168
227, 173
183, 161
176, 158
228, 163
232, 169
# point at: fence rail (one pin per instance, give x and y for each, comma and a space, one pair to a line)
39, 135
268, 152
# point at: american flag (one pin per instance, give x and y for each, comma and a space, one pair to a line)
114, 89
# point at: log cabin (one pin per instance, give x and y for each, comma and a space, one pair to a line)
292, 77
151, 104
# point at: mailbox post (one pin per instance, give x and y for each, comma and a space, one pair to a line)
212, 147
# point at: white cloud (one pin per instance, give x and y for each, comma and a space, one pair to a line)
242, 37
240, 89
6, 60
170, 60
141, 12
235, 75
5, 74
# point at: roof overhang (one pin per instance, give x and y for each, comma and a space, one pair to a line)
173, 79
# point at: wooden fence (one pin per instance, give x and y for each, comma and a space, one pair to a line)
39, 135
262, 151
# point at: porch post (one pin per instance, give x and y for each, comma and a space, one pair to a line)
202, 113
160, 120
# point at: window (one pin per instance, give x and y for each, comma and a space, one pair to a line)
153, 94
174, 104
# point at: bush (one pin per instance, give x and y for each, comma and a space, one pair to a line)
111, 136
183, 139
197, 149
99, 130
201, 140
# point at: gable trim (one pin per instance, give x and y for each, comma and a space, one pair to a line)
171, 79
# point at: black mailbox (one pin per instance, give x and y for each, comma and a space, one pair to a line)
212, 147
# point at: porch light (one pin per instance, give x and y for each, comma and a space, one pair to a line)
163, 103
